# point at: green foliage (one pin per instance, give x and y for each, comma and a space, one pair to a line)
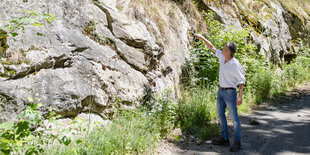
205, 63
265, 82
164, 109
197, 108
131, 131
205, 66
21, 137
18, 137
260, 83
31, 114
16, 25
219, 35
302, 48
297, 72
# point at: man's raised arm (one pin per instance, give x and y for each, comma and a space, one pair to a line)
207, 42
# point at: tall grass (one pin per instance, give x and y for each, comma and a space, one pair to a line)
248, 101
298, 71
132, 132
267, 82
196, 109
260, 83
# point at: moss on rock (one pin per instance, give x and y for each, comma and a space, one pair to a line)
3, 43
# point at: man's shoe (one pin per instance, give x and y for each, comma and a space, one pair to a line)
220, 141
235, 147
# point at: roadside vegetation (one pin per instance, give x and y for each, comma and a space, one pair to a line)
130, 131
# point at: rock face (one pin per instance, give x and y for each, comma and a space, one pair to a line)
101, 52
273, 25
94, 55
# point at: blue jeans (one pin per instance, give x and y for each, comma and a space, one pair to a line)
227, 98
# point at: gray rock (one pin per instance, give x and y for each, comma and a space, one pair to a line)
135, 57
82, 124
91, 57
274, 39
1, 69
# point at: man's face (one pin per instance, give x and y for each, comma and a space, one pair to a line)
226, 52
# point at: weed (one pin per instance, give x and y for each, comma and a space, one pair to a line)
22, 137
131, 131
197, 108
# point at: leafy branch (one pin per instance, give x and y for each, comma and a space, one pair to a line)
33, 18
27, 135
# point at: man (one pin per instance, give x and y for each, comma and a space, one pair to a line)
230, 76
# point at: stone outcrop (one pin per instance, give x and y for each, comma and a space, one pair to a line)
99, 54
273, 26
92, 57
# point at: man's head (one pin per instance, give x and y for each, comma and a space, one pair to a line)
229, 49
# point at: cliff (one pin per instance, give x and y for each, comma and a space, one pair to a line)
99, 52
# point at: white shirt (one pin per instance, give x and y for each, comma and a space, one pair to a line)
231, 74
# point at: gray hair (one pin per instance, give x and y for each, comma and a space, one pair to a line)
232, 48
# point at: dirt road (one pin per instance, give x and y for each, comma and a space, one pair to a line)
284, 128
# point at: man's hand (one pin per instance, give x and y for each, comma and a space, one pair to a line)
207, 42
239, 100
199, 36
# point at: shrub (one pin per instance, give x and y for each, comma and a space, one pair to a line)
164, 110
204, 61
302, 49
197, 108
298, 71
22, 137
260, 83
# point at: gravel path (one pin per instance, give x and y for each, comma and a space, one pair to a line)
284, 128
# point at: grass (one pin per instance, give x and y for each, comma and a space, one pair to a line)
132, 132
139, 131
268, 82
247, 103
197, 108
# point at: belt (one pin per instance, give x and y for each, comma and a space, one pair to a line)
226, 88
